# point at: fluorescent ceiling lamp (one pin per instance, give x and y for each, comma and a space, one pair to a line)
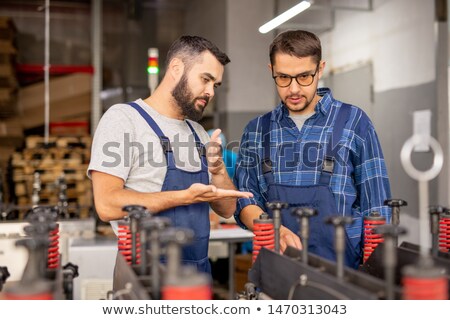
285, 16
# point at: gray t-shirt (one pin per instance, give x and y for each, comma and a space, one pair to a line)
300, 119
125, 146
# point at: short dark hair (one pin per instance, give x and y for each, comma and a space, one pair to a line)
297, 43
189, 49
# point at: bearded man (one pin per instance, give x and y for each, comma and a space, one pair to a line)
152, 152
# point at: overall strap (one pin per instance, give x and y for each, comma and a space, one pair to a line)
266, 164
165, 142
199, 145
343, 113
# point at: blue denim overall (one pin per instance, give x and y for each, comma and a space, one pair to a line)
194, 216
318, 196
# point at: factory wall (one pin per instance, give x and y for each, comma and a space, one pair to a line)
397, 38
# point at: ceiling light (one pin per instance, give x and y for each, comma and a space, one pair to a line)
285, 16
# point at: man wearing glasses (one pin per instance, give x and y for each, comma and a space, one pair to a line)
311, 151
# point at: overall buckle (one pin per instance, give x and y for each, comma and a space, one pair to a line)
266, 165
165, 144
328, 164
201, 149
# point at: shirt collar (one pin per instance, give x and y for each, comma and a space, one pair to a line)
324, 104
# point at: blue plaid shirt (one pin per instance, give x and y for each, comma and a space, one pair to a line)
359, 182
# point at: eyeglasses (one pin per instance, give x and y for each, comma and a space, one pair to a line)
285, 80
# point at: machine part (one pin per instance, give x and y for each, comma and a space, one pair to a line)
303, 282
250, 291
6, 213
122, 293
70, 272
371, 239
37, 247
435, 213
422, 177
182, 282
395, 205
4, 274
39, 290
174, 238
43, 214
276, 208
406, 254
33, 285
151, 227
441, 255
124, 242
419, 277
303, 215
288, 267
127, 284
339, 223
37, 185
53, 248
444, 232
63, 202
43, 222
135, 214
389, 233
189, 285
424, 283
263, 228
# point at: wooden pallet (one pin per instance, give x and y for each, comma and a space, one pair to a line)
33, 142
74, 188
53, 154
51, 174
68, 156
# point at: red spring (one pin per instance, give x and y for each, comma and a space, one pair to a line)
53, 249
124, 244
425, 288
200, 292
371, 239
264, 237
444, 234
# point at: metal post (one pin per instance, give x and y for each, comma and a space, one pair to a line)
96, 42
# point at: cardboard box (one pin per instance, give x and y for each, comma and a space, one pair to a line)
61, 88
70, 98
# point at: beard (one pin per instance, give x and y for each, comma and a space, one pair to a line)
301, 107
186, 101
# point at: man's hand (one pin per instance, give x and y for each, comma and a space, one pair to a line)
199, 192
288, 238
214, 154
